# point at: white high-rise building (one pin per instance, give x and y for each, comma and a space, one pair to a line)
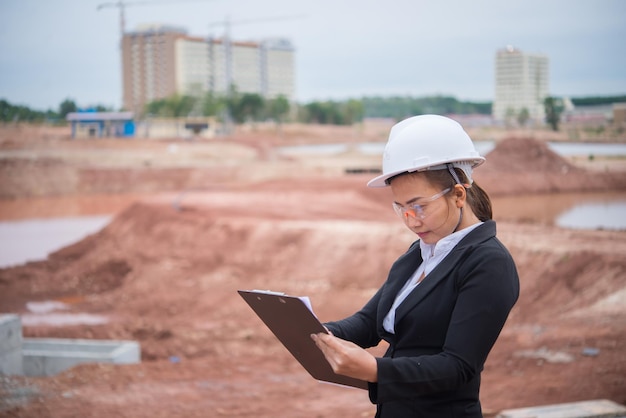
160, 61
522, 82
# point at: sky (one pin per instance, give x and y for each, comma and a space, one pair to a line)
52, 50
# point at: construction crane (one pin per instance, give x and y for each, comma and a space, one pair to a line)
227, 43
121, 5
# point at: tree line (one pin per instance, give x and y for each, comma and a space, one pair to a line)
253, 107
597, 100
237, 107
18, 113
399, 107
246, 107
249, 107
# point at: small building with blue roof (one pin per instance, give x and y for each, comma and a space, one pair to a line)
101, 124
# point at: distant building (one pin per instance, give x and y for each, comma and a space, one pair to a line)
588, 115
159, 61
521, 82
619, 113
180, 128
101, 124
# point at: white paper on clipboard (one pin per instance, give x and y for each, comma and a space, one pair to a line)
305, 299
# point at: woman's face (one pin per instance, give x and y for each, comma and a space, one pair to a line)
439, 217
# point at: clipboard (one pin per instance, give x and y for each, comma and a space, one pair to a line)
292, 322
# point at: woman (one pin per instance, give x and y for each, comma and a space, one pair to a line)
447, 298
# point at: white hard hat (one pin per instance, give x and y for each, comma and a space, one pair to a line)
427, 142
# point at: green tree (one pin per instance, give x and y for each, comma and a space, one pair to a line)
325, 113
398, 107
183, 105
17, 113
248, 107
352, 112
598, 100
509, 116
278, 108
67, 106
157, 107
313, 113
212, 105
523, 116
553, 112
172, 107
231, 107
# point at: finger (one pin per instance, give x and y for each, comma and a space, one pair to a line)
327, 351
330, 341
321, 344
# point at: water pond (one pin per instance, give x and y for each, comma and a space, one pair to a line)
32, 236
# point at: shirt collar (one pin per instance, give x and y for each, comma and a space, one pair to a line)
445, 244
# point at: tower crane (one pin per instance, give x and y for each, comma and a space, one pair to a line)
228, 53
227, 43
121, 5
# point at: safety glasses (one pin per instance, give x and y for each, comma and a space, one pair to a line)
417, 210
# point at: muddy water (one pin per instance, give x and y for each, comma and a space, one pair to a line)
568, 210
32, 240
32, 228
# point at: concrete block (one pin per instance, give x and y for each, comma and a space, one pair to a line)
599, 408
10, 345
49, 356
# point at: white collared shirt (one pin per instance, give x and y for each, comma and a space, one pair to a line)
432, 254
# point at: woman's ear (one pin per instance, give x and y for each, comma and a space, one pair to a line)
460, 195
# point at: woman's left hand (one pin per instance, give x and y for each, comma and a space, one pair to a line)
346, 358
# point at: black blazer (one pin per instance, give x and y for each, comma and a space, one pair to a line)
444, 329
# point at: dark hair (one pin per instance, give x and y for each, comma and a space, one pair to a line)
477, 198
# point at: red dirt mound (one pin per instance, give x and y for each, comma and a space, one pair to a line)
527, 166
520, 155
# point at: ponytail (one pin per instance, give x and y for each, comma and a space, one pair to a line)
480, 202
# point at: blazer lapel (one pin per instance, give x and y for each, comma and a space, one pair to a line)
426, 286
442, 271
400, 272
